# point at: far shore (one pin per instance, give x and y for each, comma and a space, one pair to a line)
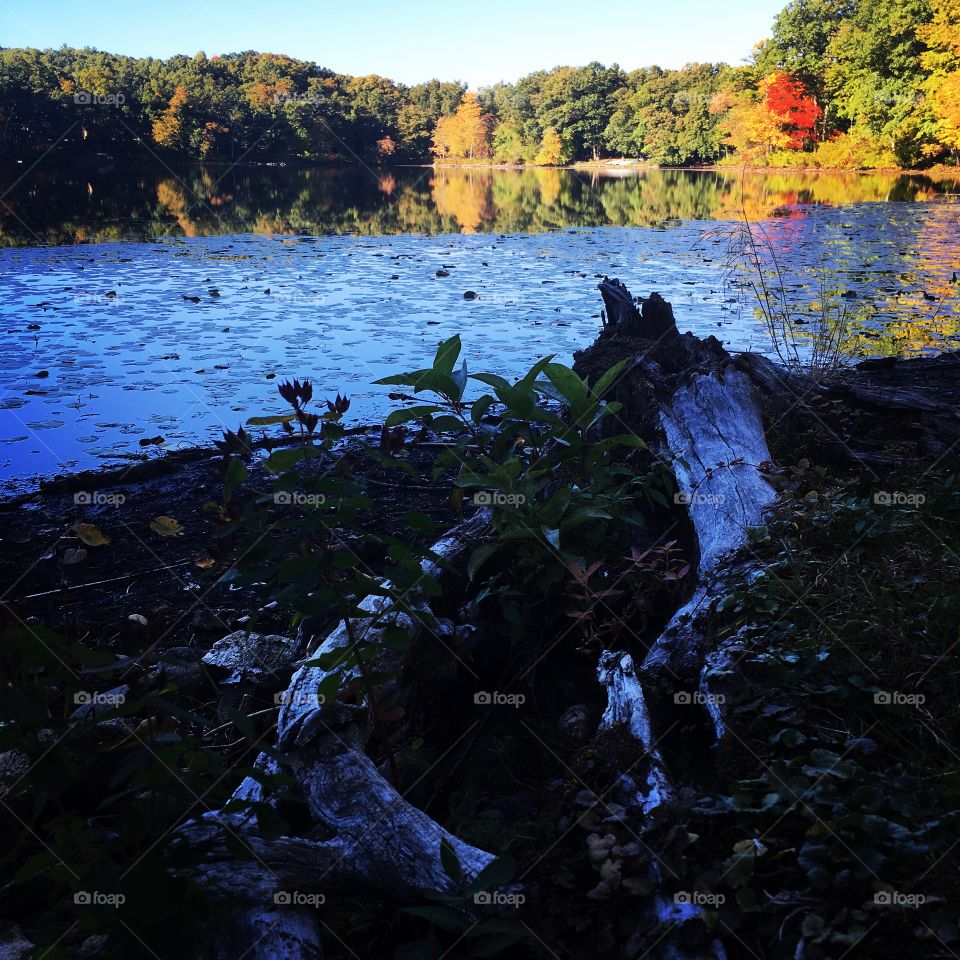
610, 165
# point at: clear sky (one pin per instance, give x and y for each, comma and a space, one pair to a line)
406, 40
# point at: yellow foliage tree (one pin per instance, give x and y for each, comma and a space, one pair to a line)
942, 36
945, 100
942, 59
553, 149
465, 135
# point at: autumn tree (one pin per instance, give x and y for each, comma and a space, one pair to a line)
168, 127
554, 149
942, 59
802, 33
791, 107
464, 135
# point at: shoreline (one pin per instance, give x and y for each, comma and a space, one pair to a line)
613, 165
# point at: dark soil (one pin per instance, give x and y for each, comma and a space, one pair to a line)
172, 581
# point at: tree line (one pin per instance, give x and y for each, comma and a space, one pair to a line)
840, 83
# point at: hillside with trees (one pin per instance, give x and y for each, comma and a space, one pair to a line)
840, 83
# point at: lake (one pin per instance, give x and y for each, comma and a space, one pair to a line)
139, 303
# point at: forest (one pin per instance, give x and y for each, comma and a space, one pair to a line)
839, 84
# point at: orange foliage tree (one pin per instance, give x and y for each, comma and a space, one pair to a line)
465, 135
167, 127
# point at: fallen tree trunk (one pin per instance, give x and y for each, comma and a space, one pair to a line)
370, 838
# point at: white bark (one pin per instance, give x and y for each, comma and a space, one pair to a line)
366, 837
627, 707
714, 428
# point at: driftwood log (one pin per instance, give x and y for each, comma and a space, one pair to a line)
366, 837
709, 414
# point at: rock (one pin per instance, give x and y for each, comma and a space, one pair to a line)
13, 765
244, 655
14, 945
93, 946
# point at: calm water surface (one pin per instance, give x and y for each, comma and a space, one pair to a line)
333, 275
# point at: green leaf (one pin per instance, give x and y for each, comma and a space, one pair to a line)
479, 557
442, 917
281, 460
574, 389
450, 862
446, 356
497, 873
447, 424
270, 421
491, 379
480, 407
235, 474
410, 413
605, 382
531, 375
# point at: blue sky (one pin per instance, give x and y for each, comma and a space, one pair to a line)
407, 40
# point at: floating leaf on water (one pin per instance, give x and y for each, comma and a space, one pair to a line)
204, 563
166, 526
91, 535
72, 557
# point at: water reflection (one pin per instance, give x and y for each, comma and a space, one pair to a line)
114, 202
